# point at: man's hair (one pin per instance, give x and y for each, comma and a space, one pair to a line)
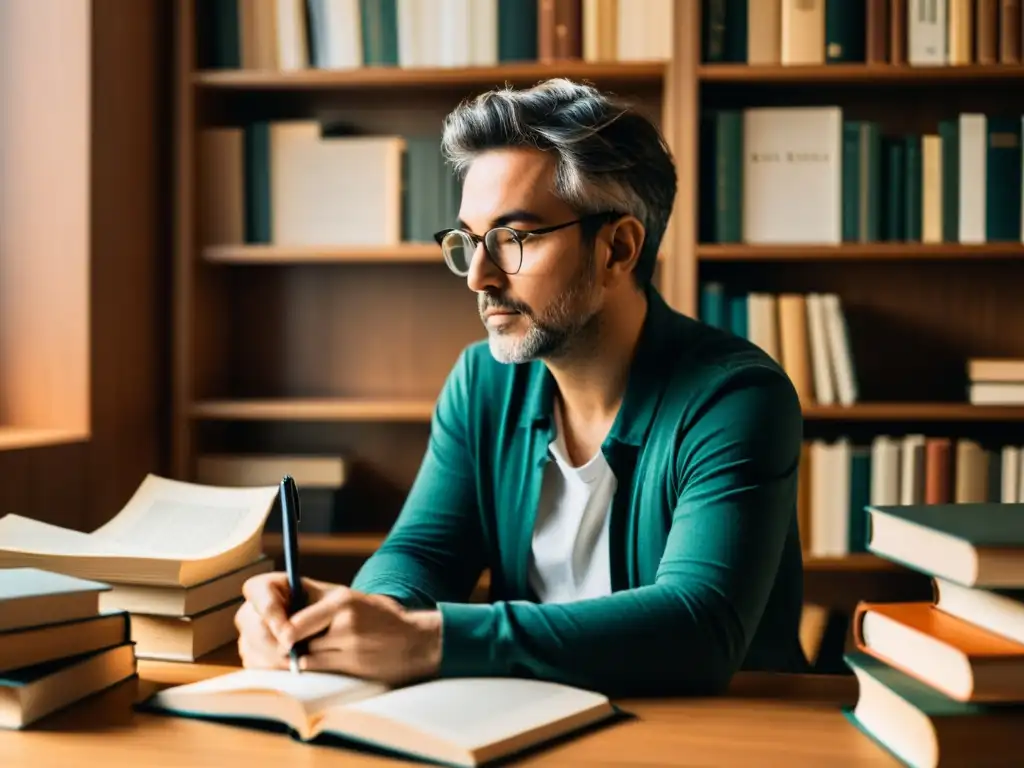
608, 155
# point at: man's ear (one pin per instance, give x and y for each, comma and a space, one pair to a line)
626, 241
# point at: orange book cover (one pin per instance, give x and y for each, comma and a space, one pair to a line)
980, 647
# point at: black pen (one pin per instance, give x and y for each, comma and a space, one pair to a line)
289, 499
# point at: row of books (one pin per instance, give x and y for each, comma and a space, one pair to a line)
289, 35
297, 182
807, 334
915, 32
810, 175
840, 478
941, 682
996, 381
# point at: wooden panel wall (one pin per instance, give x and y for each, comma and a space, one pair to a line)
82, 485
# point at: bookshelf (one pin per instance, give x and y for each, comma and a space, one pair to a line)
369, 333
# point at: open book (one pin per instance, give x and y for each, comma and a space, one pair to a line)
456, 721
169, 533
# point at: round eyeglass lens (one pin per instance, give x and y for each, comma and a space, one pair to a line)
504, 249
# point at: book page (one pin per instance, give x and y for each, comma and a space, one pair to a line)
476, 712
175, 520
313, 690
22, 534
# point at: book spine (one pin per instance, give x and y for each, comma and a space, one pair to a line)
729, 176
851, 181
845, 31
912, 189
713, 24
517, 30
736, 30
379, 21
894, 228
257, 184
1003, 179
949, 132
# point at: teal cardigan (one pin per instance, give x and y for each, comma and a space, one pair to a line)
706, 569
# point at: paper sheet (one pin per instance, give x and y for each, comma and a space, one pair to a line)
164, 519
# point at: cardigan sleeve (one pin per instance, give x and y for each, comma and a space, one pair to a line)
689, 631
435, 549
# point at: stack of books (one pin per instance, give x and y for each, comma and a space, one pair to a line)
57, 646
176, 558
942, 682
996, 381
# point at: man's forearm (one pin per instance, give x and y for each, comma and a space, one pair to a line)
642, 641
414, 577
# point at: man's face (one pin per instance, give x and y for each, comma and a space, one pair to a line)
550, 305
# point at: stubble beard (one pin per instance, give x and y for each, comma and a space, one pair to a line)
569, 326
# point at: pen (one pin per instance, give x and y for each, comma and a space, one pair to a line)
289, 499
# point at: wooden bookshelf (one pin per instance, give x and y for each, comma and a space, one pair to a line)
314, 409
347, 349
918, 252
862, 74
915, 412
404, 253
612, 74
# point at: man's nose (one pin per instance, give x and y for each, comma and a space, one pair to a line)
483, 274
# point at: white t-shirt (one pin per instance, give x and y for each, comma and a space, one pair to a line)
570, 538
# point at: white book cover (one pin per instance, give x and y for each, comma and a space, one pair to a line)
1011, 474
644, 30
926, 33
885, 471
840, 352
821, 498
454, 33
912, 469
483, 33
334, 191
821, 361
409, 22
763, 320
792, 175
342, 34
292, 51
973, 140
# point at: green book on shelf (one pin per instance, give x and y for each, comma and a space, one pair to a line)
976, 545
922, 728
1003, 179
517, 30
379, 20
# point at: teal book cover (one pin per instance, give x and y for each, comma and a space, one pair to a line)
922, 728
981, 524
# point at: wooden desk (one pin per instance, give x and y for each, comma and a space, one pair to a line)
766, 720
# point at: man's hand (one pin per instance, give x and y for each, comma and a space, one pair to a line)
369, 636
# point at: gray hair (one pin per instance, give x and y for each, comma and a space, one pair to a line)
609, 156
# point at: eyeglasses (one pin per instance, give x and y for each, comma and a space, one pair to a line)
503, 245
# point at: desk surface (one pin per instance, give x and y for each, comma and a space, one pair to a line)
765, 720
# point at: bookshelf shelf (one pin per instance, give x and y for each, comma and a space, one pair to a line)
887, 251
315, 409
862, 74
853, 563
420, 410
16, 438
404, 253
903, 412
326, 544
392, 78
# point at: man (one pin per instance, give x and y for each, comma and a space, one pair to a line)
627, 474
